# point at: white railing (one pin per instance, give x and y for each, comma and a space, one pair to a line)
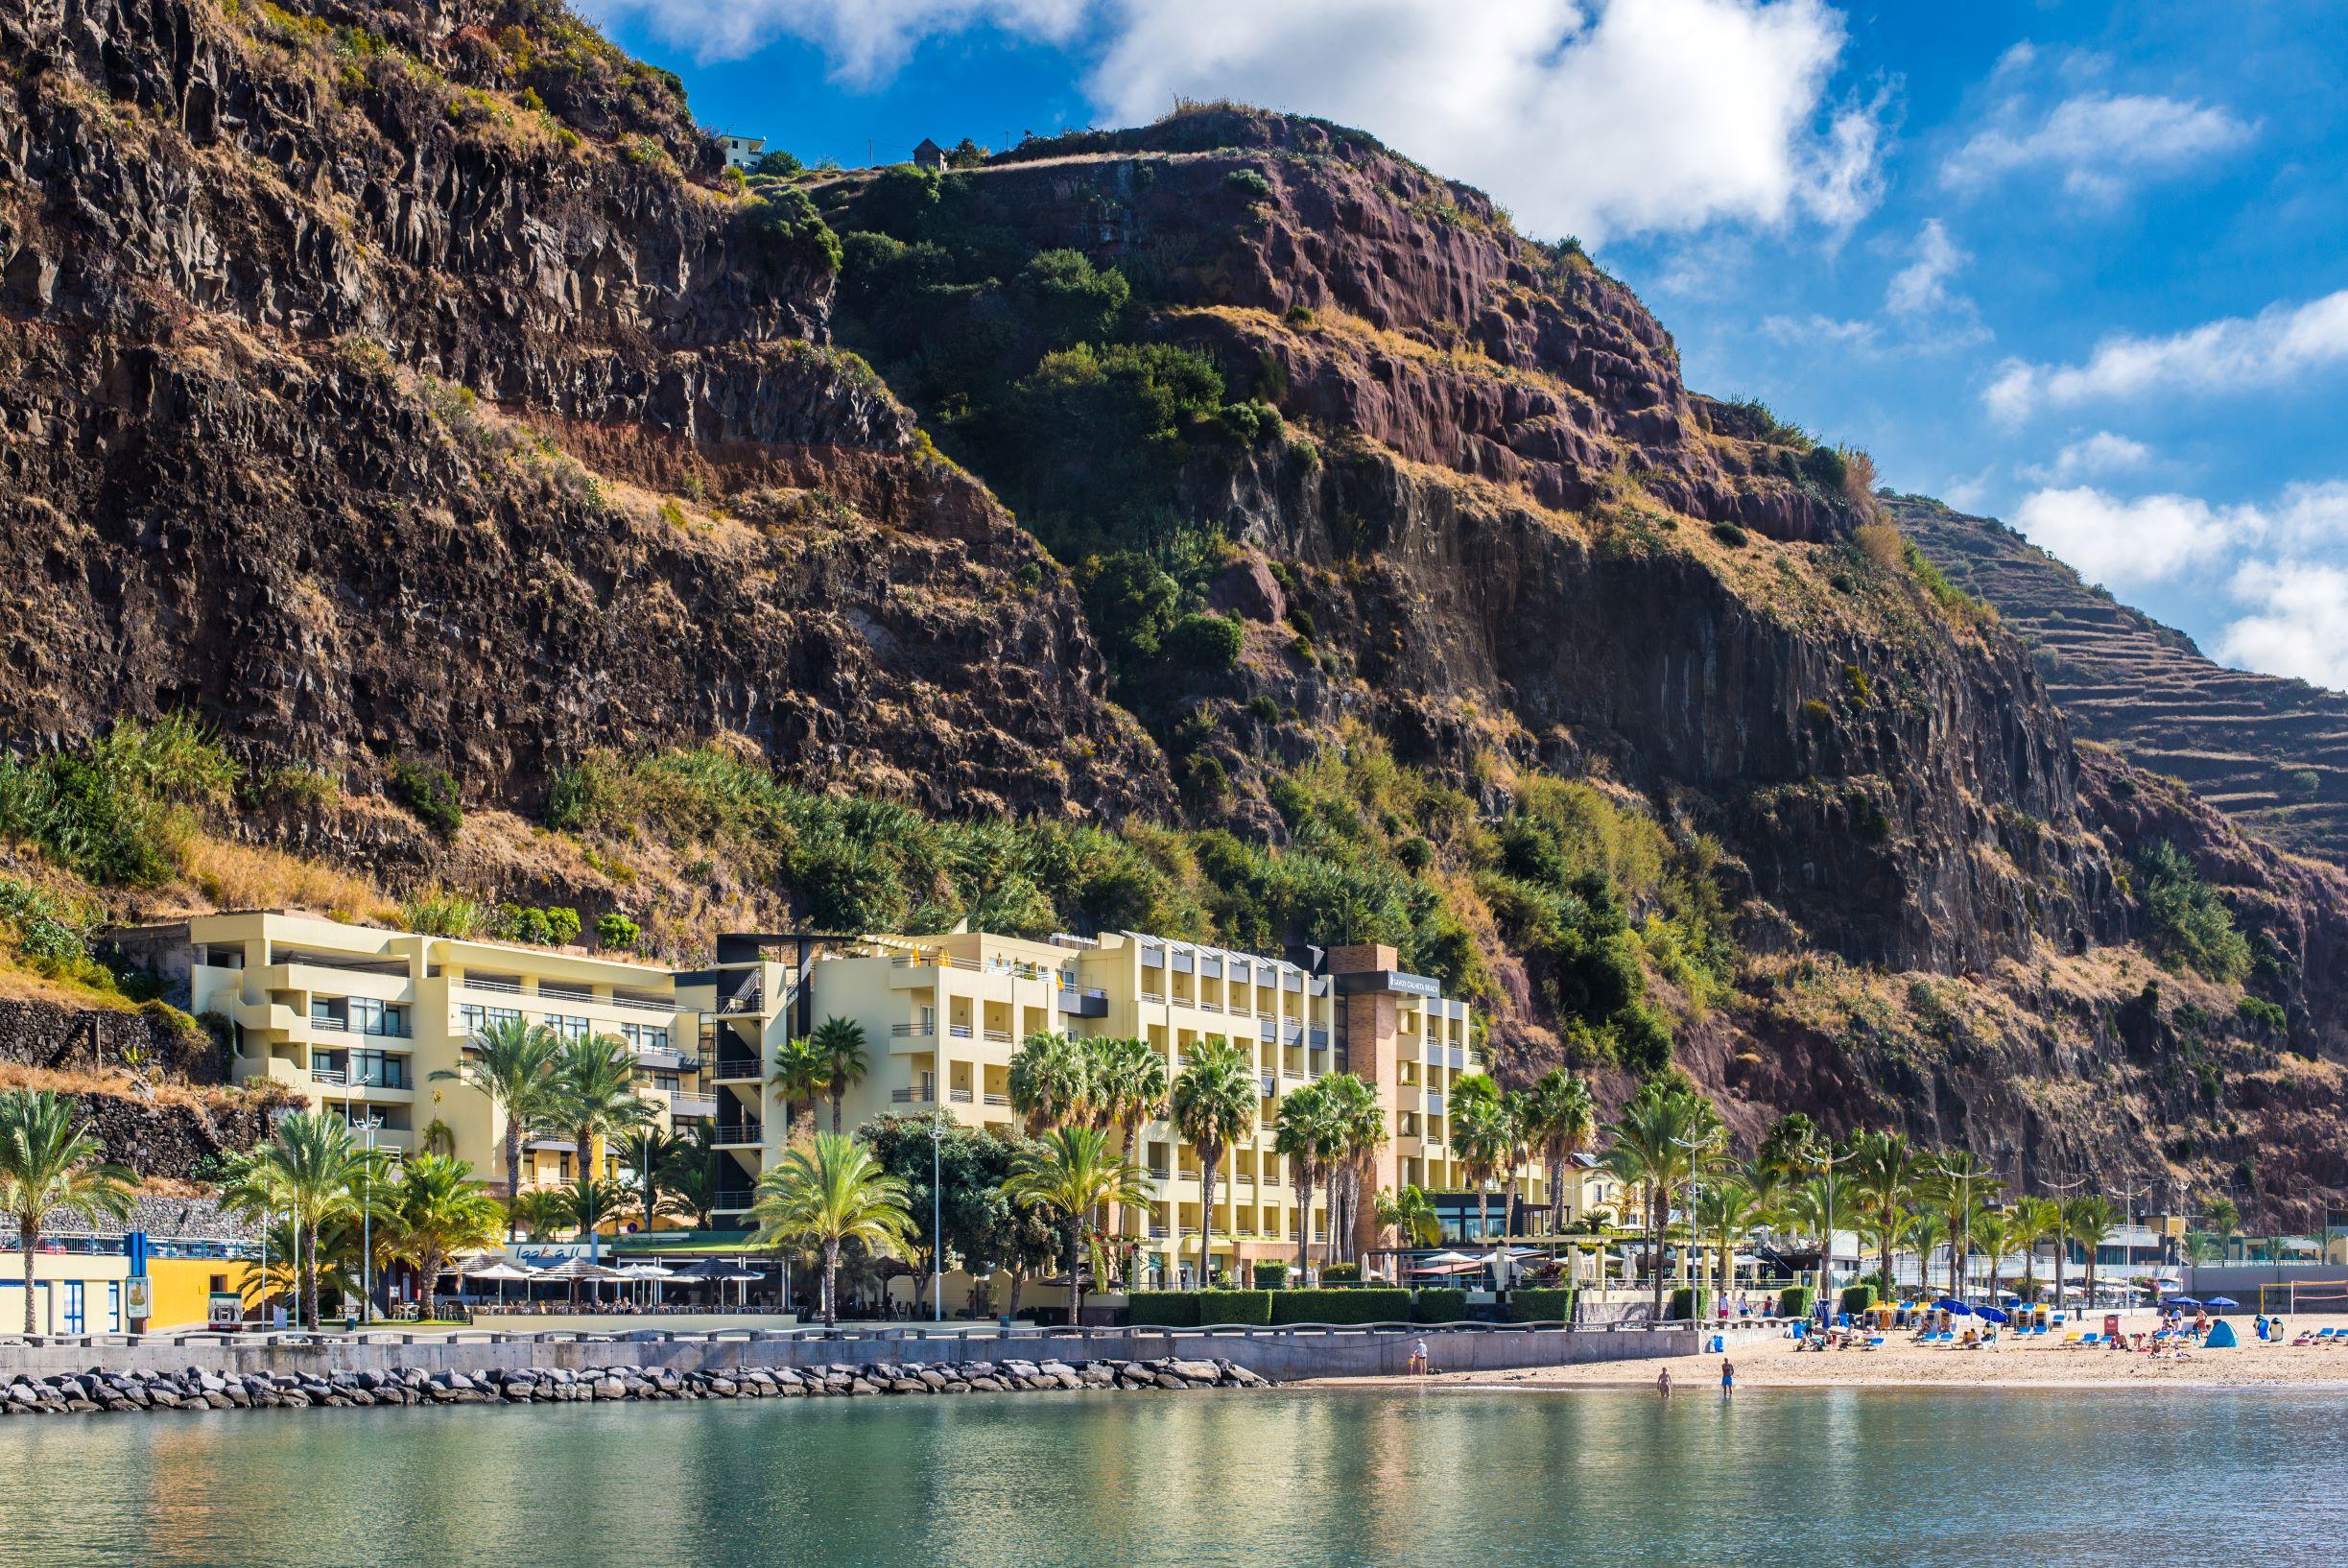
503, 988
961, 1097
1001, 1036
910, 1032
999, 1101
642, 1003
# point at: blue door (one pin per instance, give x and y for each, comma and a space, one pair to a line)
75, 1315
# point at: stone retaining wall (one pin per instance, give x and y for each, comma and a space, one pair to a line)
1282, 1355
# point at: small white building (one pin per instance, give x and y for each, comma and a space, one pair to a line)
743, 151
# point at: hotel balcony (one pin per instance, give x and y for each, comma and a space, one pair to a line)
736, 1067
746, 1132
692, 1107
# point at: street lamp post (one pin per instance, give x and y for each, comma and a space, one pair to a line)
1695, 1201
938, 1222
1964, 1225
2062, 1234
367, 1225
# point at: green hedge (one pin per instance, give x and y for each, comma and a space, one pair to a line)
1439, 1304
1688, 1303
1858, 1297
1795, 1301
1341, 1272
1270, 1276
1540, 1304
1252, 1308
1346, 1306
1163, 1309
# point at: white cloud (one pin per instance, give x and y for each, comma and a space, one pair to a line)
2099, 143
2300, 626
1610, 117
2093, 457
1588, 117
2116, 542
1922, 286
1819, 331
866, 41
2232, 354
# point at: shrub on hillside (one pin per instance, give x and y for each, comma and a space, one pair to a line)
2185, 923
430, 793
119, 809
1248, 182
788, 230
1207, 643
616, 931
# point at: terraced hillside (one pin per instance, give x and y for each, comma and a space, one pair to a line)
2271, 754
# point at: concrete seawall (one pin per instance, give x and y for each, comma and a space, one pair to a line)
1283, 1354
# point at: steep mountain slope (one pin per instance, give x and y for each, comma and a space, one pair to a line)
259, 264
2270, 752
405, 384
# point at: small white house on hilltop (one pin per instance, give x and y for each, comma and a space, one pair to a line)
743, 151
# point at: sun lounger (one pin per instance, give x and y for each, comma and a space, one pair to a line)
1875, 1342
2073, 1339
2091, 1341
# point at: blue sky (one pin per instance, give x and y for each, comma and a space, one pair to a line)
2081, 266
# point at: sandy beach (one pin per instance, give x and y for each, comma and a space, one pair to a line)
1773, 1363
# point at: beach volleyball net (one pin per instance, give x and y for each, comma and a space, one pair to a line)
2306, 1295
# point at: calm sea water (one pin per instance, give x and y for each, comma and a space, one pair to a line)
1305, 1478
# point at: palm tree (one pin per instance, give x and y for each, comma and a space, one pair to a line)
648, 1152
1927, 1228
591, 1202
513, 1063
1993, 1232
1562, 1118
1213, 1106
1050, 1080
1129, 1091
1960, 1187
1479, 1137
1725, 1211
2091, 1217
1814, 1206
2033, 1219
1516, 1108
539, 1212
692, 1175
1884, 1169
314, 1172
48, 1162
801, 1070
840, 1042
1306, 1134
440, 1211
1664, 1136
826, 1193
1069, 1172
595, 1094
1411, 1214
1359, 1123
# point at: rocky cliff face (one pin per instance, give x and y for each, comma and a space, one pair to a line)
2270, 753
350, 353
406, 380
1517, 532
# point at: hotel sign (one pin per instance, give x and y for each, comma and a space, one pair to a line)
1388, 980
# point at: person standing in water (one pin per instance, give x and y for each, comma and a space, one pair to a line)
1729, 1378
1663, 1383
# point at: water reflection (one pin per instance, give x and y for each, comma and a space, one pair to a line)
1491, 1478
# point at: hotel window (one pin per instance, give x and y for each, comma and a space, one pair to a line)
569, 1026
646, 1036
475, 1018
377, 1070
369, 1016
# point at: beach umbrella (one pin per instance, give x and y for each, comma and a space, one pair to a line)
1990, 1314
2222, 1304
1448, 1257
2183, 1303
571, 1270
499, 1268
1950, 1304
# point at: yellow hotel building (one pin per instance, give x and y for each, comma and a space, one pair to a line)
356, 1021
942, 1016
